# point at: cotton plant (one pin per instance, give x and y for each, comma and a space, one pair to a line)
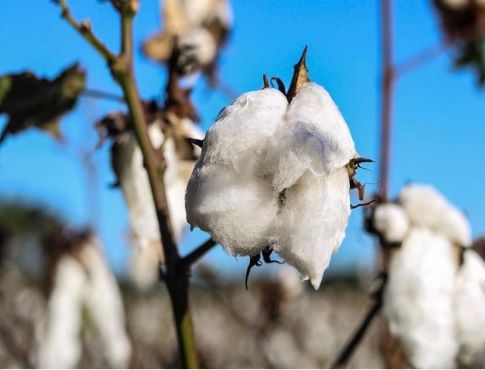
127, 164
434, 294
193, 35
275, 173
82, 280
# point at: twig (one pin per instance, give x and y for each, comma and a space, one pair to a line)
346, 353
84, 28
422, 58
197, 253
98, 94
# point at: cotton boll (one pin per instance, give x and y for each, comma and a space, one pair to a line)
127, 161
103, 300
237, 210
197, 49
418, 299
312, 222
60, 346
469, 304
244, 129
391, 222
426, 207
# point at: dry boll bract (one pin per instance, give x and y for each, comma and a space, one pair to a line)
273, 176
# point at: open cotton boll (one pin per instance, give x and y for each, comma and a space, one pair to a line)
391, 222
237, 209
60, 346
418, 299
197, 48
103, 300
243, 130
312, 222
469, 303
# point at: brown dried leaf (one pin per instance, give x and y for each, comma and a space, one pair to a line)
30, 101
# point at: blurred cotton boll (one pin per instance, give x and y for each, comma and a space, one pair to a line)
197, 49
273, 174
391, 222
426, 207
418, 299
60, 343
103, 300
469, 303
128, 165
83, 279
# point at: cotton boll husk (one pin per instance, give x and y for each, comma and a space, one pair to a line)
197, 49
469, 303
103, 300
418, 299
312, 222
243, 130
319, 138
426, 207
391, 222
237, 210
60, 346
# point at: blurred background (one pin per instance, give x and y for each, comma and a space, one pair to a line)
438, 139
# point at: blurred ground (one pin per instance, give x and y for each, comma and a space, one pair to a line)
273, 324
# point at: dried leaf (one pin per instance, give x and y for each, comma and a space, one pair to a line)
30, 101
300, 75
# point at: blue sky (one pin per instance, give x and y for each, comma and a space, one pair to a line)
439, 114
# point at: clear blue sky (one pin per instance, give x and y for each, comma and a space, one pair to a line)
439, 114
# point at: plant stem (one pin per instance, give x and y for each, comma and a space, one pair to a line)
121, 67
176, 274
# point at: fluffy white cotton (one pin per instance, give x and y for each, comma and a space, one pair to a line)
274, 175
311, 226
200, 11
228, 193
418, 299
103, 300
60, 346
128, 164
127, 161
391, 222
469, 303
426, 207
197, 48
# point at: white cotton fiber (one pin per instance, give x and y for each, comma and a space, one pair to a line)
242, 132
320, 137
391, 222
312, 223
418, 299
103, 300
426, 207
469, 304
201, 11
274, 175
60, 346
197, 48
237, 209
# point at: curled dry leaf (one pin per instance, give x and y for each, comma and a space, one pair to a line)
463, 22
31, 101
